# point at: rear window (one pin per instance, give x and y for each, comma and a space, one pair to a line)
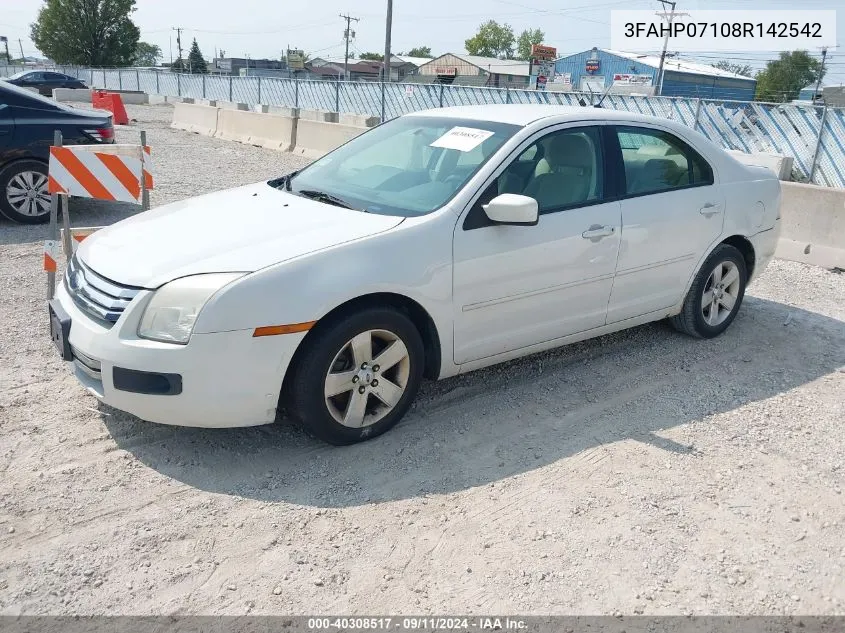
10, 94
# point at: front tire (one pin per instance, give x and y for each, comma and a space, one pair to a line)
23, 192
716, 294
357, 377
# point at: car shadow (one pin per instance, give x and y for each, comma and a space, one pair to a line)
84, 212
492, 424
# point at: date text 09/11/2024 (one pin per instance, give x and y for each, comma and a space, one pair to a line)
724, 29
417, 624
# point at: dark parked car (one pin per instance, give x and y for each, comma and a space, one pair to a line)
27, 124
45, 81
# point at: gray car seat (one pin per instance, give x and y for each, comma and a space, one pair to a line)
571, 161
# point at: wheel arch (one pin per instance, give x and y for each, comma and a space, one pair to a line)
20, 159
744, 246
419, 316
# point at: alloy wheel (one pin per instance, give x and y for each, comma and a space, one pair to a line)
721, 292
367, 378
27, 193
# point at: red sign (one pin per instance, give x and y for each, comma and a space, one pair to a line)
446, 72
593, 66
542, 52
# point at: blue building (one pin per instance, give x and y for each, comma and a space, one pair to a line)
598, 69
809, 93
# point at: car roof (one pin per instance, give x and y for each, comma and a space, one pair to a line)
525, 114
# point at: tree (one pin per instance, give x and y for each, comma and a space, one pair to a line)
783, 78
526, 40
421, 51
196, 62
492, 40
373, 57
146, 54
86, 32
731, 67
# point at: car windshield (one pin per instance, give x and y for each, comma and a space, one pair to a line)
22, 73
409, 166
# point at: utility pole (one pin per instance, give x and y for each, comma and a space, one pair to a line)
179, 45
660, 71
388, 29
21, 45
347, 34
821, 72
5, 40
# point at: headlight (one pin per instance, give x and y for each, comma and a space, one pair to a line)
170, 315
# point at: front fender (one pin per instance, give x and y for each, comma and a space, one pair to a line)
413, 260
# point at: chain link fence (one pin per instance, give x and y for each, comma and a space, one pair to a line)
813, 135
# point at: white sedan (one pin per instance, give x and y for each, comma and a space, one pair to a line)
435, 244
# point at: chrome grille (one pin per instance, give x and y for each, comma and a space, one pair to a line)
100, 298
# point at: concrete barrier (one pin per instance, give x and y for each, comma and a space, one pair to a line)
229, 105
199, 119
781, 165
319, 115
359, 120
812, 225
316, 138
265, 130
132, 97
69, 94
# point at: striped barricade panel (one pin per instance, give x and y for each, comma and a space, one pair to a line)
78, 234
52, 252
148, 167
104, 172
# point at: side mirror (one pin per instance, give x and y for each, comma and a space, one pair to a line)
511, 208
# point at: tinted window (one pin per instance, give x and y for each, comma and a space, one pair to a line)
54, 77
657, 161
13, 95
560, 170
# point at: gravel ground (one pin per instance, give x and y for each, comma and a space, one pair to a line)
642, 472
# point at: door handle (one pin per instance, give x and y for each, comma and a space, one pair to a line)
597, 231
710, 208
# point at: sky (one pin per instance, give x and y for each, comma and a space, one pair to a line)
264, 28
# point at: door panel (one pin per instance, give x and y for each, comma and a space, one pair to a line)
516, 286
673, 215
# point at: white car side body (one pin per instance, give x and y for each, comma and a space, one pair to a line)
394, 262
416, 258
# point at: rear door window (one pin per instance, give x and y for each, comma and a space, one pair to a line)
657, 161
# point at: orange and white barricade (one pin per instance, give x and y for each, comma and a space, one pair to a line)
115, 173
78, 234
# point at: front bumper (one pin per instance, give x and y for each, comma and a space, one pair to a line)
226, 379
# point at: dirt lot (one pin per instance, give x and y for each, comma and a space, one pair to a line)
640, 472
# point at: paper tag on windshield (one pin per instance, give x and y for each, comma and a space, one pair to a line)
463, 139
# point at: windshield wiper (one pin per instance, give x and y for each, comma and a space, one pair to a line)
283, 182
322, 196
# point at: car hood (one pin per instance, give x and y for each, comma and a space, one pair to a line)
237, 230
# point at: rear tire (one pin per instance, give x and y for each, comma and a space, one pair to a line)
357, 377
23, 192
715, 296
